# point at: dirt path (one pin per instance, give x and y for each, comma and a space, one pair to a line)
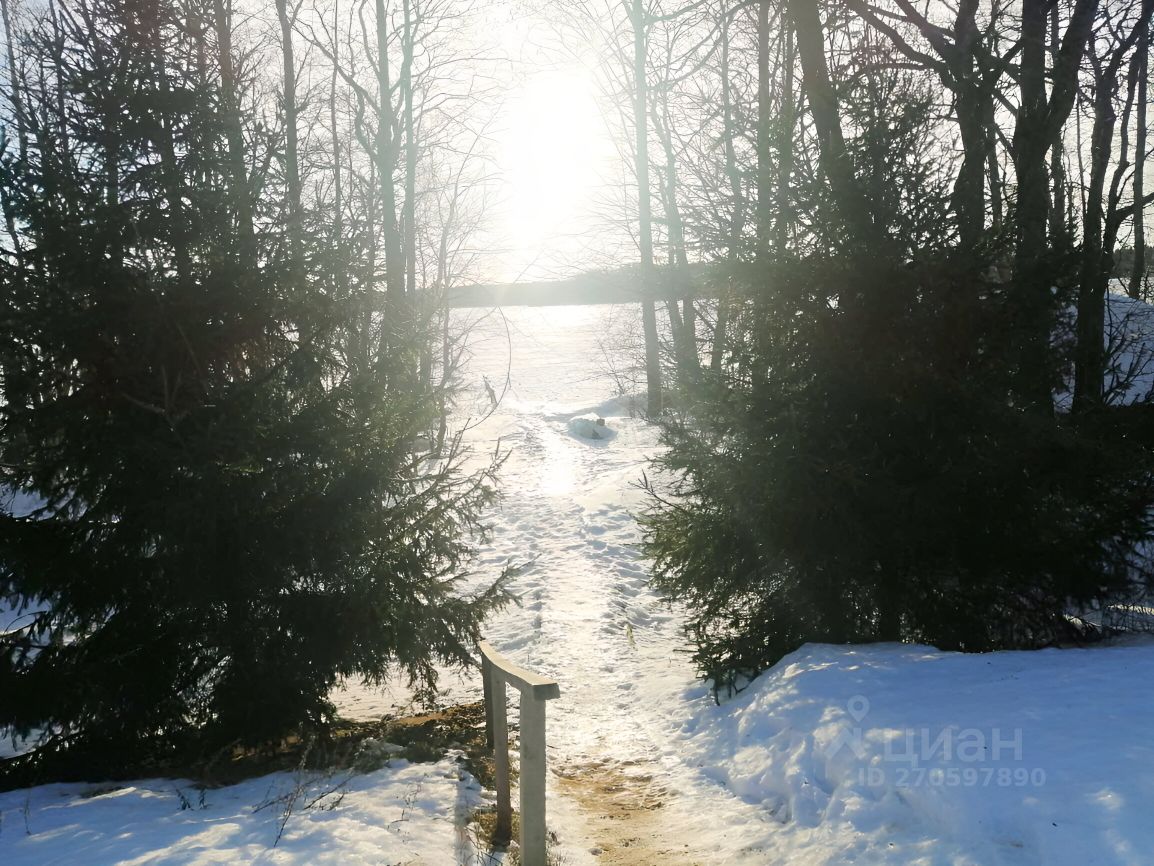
621, 802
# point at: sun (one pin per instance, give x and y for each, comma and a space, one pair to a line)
553, 156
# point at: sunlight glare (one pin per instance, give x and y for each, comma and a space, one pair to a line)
552, 156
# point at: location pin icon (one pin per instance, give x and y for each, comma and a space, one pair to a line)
858, 706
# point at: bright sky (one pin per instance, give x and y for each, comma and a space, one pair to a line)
554, 156
550, 162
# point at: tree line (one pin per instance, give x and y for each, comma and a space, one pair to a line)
226, 364
894, 424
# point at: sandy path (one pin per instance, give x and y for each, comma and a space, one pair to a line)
621, 803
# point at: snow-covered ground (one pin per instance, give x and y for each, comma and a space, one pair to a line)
411, 814
871, 755
1130, 347
902, 754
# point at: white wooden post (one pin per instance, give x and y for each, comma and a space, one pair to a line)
504, 829
487, 682
535, 690
532, 780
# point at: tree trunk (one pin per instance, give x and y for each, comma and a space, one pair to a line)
784, 223
410, 213
369, 279
238, 183
764, 214
1100, 219
832, 155
994, 171
1089, 355
172, 179
1039, 120
337, 237
413, 316
292, 160
1058, 234
737, 212
386, 158
968, 197
974, 105
684, 322
644, 214
1138, 273
15, 97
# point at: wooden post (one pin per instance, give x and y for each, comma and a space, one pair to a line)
500, 728
532, 780
487, 683
535, 691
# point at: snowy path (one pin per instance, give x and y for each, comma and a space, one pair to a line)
619, 791
646, 770
589, 620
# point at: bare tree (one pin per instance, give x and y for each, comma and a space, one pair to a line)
964, 65
387, 155
238, 181
1138, 272
1099, 231
1039, 118
644, 209
286, 18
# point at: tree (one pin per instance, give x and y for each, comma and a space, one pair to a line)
965, 67
864, 467
640, 26
1039, 118
626, 33
1138, 272
1100, 225
236, 512
293, 201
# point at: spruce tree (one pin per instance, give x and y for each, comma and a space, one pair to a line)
860, 469
235, 508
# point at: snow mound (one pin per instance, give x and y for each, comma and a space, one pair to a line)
621, 406
901, 754
590, 426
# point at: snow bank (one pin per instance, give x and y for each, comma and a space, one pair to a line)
904, 754
409, 813
590, 426
629, 405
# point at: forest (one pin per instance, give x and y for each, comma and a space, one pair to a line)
232, 231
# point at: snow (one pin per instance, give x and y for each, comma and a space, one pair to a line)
801, 767
590, 426
408, 813
904, 754
1129, 344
